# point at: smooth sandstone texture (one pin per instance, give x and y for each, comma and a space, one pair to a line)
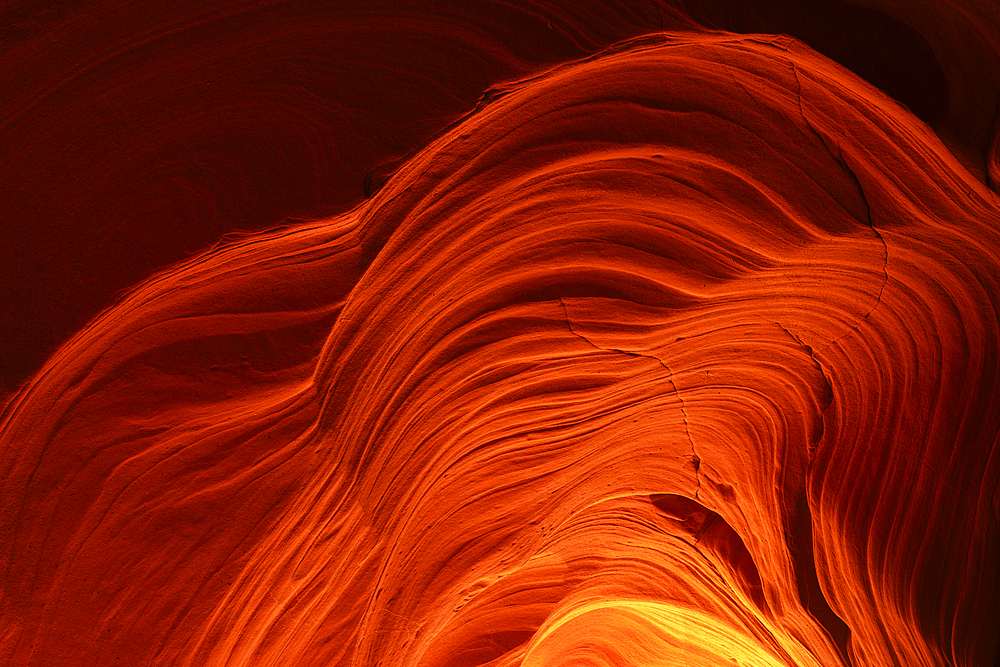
681, 353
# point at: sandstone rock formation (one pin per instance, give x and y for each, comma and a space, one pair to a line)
679, 351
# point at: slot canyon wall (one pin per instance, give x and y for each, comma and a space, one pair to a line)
504, 333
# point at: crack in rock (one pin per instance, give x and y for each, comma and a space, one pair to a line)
839, 157
826, 380
885, 248
670, 378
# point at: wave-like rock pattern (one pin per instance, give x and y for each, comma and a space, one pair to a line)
684, 353
134, 133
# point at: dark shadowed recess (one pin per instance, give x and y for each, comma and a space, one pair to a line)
887, 53
135, 134
713, 536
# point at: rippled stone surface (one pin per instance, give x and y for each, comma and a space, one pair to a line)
683, 352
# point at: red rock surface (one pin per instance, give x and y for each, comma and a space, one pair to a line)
679, 346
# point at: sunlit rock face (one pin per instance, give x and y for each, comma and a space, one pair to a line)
681, 353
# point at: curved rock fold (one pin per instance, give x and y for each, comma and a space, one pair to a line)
681, 353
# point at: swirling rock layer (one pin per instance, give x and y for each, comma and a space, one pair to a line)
681, 353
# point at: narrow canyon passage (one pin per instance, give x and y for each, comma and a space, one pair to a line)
598, 336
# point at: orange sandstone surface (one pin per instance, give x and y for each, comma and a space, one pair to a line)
683, 352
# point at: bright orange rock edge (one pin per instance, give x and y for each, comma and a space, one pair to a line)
681, 354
